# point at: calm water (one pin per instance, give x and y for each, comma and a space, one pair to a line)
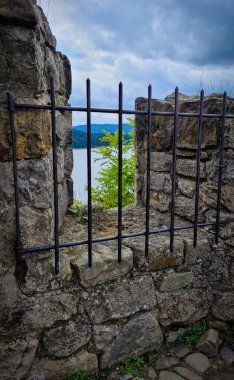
79, 174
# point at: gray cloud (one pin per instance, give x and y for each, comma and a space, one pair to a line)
188, 43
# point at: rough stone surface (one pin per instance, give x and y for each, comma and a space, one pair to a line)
209, 343
105, 267
140, 334
198, 362
166, 375
104, 334
167, 362
64, 340
159, 253
223, 307
152, 375
183, 306
187, 374
176, 281
121, 299
181, 350
227, 354
55, 369
16, 357
43, 311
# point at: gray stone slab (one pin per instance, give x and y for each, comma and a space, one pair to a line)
198, 362
227, 354
187, 374
181, 350
167, 375
167, 362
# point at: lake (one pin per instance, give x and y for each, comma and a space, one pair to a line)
79, 173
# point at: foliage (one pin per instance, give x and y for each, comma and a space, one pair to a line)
84, 375
135, 365
152, 358
106, 193
228, 338
81, 210
194, 331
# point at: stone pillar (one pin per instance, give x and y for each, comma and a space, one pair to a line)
28, 59
161, 160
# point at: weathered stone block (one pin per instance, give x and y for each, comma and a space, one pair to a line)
223, 307
16, 357
189, 375
187, 167
175, 281
185, 207
186, 187
159, 253
161, 162
105, 266
198, 361
209, 343
161, 182
43, 311
33, 132
104, 334
199, 253
183, 306
120, 299
208, 195
40, 274
140, 334
55, 369
162, 127
67, 338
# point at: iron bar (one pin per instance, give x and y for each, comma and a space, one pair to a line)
221, 165
124, 112
11, 108
89, 173
124, 236
147, 203
55, 175
173, 180
120, 167
197, 192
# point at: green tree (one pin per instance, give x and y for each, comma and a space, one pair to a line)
106, 193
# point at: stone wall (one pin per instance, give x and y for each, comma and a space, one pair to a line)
161, 158
28, 59
92, 318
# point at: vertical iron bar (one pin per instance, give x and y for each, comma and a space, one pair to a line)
173, 192
55, 175
199, 141
89, 172
120, 152
147, 205
221, 164
11, 107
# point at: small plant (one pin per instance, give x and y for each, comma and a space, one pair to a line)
81, 211
227, 338
135, 365
106, 192
194, 332
152, 358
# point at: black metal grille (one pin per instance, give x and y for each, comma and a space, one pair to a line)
12, 105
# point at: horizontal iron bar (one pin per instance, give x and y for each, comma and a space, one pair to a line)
110, 238
126, 112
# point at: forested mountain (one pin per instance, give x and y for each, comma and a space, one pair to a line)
79, 134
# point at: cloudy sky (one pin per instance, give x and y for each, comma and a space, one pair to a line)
168, 43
